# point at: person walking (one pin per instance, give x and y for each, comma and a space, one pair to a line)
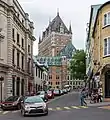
82, 97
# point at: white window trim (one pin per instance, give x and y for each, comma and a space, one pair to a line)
107, 47
107, 19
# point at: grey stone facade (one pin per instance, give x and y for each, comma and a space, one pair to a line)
16, 49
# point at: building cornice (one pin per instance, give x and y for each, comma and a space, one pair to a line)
12, 9
97, 16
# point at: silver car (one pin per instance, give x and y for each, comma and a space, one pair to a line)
33, 105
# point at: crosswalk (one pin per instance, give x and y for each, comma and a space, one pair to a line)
50, 109
105, 107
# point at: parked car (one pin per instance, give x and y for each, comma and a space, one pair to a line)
69, 89
65, 91
57, 92
33, 105
12, 102
43, 95
50, 94
61, 92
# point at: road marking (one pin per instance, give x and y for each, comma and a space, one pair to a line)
67, 108
0, 111
50, 109
15, 111
83, 106
58, 108
75, 107
105, 107
5, 112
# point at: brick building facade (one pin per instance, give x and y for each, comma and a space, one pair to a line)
53, 44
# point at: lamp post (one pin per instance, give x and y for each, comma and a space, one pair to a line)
1, 80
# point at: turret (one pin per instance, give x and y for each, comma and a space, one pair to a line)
70, 29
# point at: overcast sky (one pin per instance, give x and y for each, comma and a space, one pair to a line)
75, 11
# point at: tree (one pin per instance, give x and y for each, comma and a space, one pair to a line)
78, 65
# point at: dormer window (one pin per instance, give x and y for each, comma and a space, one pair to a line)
18, 15
107, 19
22, 21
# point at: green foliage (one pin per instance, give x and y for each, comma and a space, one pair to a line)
78, 65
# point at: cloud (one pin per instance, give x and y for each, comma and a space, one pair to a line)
76, 11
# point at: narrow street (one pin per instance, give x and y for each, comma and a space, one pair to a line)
65, 107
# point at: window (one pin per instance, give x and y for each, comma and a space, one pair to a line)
22, 21
17, 58
79, 83
107, 19
51, 83
22, 42
57, 76
56, 83
45, 77
68, 77
13, 56
28, 48
28, 65
70, 83
50, 76
39, 74
18, 15
36, 71
17, 38
13, 34
107, 46
22, 62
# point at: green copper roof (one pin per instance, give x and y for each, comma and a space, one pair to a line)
50, 61
68, 51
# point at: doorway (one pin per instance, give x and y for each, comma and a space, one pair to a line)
107, 84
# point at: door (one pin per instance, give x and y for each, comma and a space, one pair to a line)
107, 84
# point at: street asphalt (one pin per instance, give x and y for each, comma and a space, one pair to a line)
66, 107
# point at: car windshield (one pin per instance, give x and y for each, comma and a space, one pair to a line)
49, 92
34, 99
11, 99
56, 91
42, 93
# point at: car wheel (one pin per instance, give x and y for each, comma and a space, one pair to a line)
3, 108
23, 113
46, 112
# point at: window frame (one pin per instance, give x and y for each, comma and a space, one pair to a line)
108, 46
107, 21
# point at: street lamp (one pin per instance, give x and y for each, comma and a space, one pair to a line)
1, 80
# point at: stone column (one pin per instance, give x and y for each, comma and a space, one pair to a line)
15, 84
20, 86
9, 83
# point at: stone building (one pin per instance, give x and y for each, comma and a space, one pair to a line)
16, 49
101, 50
56, 41
40, 76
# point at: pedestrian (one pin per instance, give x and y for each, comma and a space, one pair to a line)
82, 97
99, 95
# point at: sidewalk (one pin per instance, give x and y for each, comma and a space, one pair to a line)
105, 102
